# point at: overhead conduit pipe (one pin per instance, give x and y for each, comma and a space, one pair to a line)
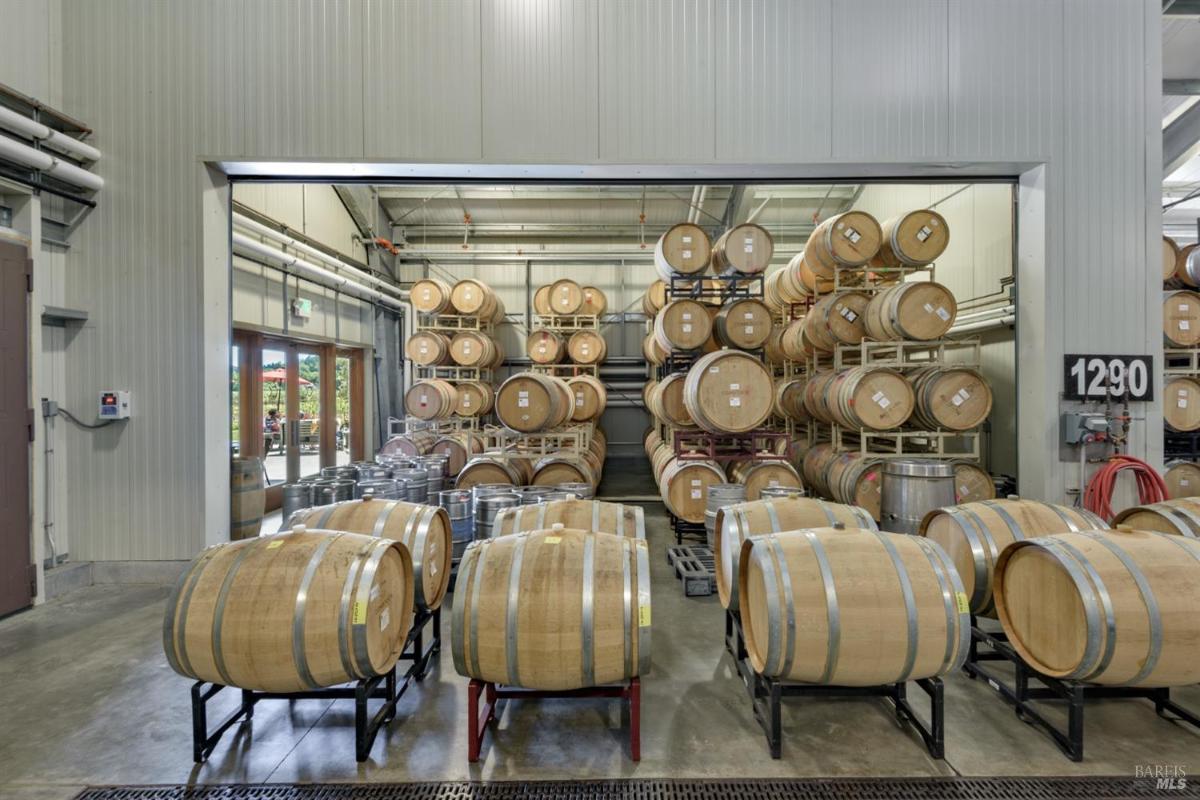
42, 161
28, 128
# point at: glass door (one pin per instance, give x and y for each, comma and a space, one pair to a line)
309, 415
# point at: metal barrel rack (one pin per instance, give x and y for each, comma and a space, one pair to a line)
629, 691
766, 696
1024, 691
389, 688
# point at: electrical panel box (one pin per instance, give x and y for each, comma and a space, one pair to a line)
114, 404
1078, 425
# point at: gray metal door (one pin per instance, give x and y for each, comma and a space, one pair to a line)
16, 421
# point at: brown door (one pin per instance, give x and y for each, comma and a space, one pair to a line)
16, 567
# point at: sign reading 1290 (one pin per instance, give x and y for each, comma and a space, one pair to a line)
1095, 377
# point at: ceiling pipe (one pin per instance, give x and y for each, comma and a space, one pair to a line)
699, 205
19, 123
692, 203
983, 325
309, 250
318, 274
42, 161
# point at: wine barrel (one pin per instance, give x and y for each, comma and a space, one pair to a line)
873, 398
248, 498
423, 530
1181, 403
529, 402
682, 325
913, 239
916, 310
744, 323
773, 346
684, 249
1182, 479
489, 469
428, 348
836, 319
665, 401
783, 287
789, 400
459, 448
476, 299
587, 347
950, 398
474, 349
566, 297
737, 523
844, 240
1170, 256
431, 296
806, 617
541, 301
564, 466
815, 467
856, 480
815, 284
522, 619
431, 398
756, 476
1181, 319
654, 298
595, 302
728, 392
590, 398
972, 483
1111, 608
1179, 516
409, 445
683, 484
652, 350
291, 612
794, 342
545, 347
1187, 266
744, 249
475, 398
587, 515
975, 534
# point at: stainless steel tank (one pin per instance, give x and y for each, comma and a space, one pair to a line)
296, 496
486, 509
415, 481
583, 491
719, 496
457, 503
912, 487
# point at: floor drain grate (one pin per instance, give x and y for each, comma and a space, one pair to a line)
1088, 788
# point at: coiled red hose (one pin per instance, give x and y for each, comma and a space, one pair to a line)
1098, 496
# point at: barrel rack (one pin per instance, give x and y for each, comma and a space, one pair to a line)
1185, 446
993, 646
766, 696
566, 371
389, 688
454, 373
566, 323
477, 723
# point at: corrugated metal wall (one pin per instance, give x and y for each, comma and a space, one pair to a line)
165, 84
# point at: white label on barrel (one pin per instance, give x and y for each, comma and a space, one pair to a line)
579, 399
687, 253
466, 401
1183, 325
733, 387
466, 347
467, 293
695, 481
1183, 307
425, 294
714, 369
881, 400
687, 239
1182, 402
385, 618
1184, 482
748, 315
960, 397
695, 494
686, 315
583, 347
923, 234
848, 314
424, 399
852, 235
424, 349
749, 329
541, 348
750, 248
929, 308
687, 328
734, 402
943, 313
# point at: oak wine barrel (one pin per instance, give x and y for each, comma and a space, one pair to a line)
545, 347
554, 610
972, 483
913, 310
1181, 319
950, 398
247, 498
431, 398
806, 617
654, 298
728, 392
475, 349
291, 612
1179, 516
665, 401
855, 480
409, 445
587, 347
844, 240
489, 469
836, 319
789, 400
744, 323
913, 239
588, 515
459, 448
683, 484
682, 325
529, 401
1187, 266
595, 302
566, 297
652, 350
475, 398
737, 523
975, 534
431, 296
1170, 256
1182, 479
744, 249
476, 299
1181, 403
812, 282
758, 475
684, 249
815, 467
541, 301
565, 466
1104, 607
591, 398
428, 348
873, 398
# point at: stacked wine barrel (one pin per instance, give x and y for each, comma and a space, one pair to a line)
1181, 385
574, 343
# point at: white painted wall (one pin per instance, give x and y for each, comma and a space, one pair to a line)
1072, 84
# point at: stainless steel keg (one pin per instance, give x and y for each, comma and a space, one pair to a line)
457, 503
415, 481
719, 496
583, 491
486, 509
912, 487
296, 496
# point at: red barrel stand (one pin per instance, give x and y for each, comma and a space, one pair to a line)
477, 722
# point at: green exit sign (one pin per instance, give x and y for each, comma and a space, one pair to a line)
302, 308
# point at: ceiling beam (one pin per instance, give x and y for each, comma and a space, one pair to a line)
1181, 8
1179, 87
1181, 140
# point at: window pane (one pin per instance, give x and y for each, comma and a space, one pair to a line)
274, 412
343, 409
310, 414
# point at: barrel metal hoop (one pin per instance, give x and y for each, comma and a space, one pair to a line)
358, 630
1153, 615
951, 586
219, 612
476, 590
175, 641
789, 644
299, 654
1070, 523
459, 610
735, 556
620, 512
865, 517
1179, 523
1192, 520
832, 613
829, 515
595, 516
643, 601
382, 518
352, 573
764, 555
413, 538
978, 556
1007, 518
1100, 524
773, 515
512, 612
329, 512
639, 520
910, 604
541, 516
1189, 546
588, 630
1090, 587
627, 600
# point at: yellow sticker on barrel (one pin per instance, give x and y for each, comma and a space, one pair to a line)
964, 605
552, 539
274, 544
359, 616
643, 616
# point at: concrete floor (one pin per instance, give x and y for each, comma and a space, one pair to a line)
86, 697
